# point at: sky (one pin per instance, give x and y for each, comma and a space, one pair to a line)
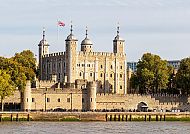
160, 27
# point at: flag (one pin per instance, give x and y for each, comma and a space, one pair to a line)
61, 23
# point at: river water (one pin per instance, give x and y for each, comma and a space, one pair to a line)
94, 127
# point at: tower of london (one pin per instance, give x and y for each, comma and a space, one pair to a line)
107, 69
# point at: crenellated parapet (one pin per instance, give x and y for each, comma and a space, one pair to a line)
105, 54
53, 54
46, 84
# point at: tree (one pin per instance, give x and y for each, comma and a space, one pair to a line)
21, 67
183, 76
28, 61
6, 86
152, 73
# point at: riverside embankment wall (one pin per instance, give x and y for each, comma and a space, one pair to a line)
94, 116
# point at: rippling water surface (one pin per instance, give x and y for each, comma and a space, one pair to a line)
95, 127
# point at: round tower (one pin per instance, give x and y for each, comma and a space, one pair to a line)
92, 95
118, 43
86, 44
43, 50
27, 100
71, 46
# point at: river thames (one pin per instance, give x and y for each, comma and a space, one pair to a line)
94, 127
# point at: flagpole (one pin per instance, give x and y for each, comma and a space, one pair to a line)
57, 30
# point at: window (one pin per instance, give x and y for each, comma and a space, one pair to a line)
80, 74
101, 66
33, 100
48, 99
120, 87
120, 75
111, 67
101, 75
110, 75
58, 100
68, 99
101, 86
111, 86
121, 67
91, 99
82, 100
91, 74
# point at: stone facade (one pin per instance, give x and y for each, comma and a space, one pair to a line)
48, 96
87, 81
108, 69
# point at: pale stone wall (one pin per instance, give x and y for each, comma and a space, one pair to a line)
61, 98
15, 98
58, 98
112, 101
108, 69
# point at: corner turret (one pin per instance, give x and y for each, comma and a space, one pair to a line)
118, 43
43, 50
26, 102
71, 46
86, 44
91, 92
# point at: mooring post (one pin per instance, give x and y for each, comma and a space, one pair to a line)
156, 117
164, 117
160, 117
122, 117
0, 118
17, 117
11, 117
119, 117
115, 117
130, 117
149, 119
126, 117
145, 117
110, 117
28, 117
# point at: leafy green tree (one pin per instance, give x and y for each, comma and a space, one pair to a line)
7, 86
21, 67
28, 61
183, 76
152, 74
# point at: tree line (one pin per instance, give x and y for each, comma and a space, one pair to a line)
15, 71
155, 75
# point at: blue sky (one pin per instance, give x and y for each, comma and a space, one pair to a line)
157, 26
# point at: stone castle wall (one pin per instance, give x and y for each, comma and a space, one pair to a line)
77, 99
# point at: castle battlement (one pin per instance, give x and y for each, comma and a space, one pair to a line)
106, 54
54, 54
56, 91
